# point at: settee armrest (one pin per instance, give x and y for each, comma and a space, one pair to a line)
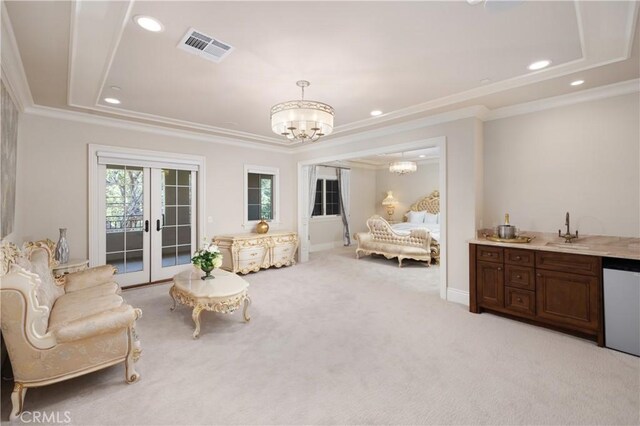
88, 278
94, 325
362, 237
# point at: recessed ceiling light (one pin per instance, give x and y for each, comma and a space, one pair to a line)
114, 87
421, 155
148, 23
112, 101
538, 65
474, 2
376, 112
577, 82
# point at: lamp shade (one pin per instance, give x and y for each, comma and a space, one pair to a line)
389, 199
403, 167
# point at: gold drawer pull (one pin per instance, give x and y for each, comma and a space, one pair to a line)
519, 299
499, 268
518, 258
518, 276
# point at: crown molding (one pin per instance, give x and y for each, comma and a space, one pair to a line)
602, 92
83, 117
631, 27
477, 111
13, 73
249, 137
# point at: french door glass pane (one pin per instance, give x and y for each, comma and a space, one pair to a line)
124, 225
176, 193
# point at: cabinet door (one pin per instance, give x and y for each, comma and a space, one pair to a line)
490, 284
568, 299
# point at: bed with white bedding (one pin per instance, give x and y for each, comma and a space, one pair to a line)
424, 214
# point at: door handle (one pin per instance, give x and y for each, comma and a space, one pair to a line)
158, 227
146, 226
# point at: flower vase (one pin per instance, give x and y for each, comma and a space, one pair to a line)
207, 273
62, 247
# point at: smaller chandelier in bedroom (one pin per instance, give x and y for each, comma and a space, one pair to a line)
302, 120
403, 167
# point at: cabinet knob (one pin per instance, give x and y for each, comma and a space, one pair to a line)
499, 268
538, 275
518, 258
519, 299
518, 276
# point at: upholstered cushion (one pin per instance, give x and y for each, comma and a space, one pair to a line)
88, 294
88, 278
70, 307
416, 217
46, 290
104, 322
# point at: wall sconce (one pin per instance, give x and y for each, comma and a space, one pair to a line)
390, 203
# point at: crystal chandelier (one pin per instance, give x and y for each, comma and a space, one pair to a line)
403, 167
302, 120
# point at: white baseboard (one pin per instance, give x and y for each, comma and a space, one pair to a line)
324, 246
458, 296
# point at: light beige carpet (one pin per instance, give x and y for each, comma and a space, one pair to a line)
345, 341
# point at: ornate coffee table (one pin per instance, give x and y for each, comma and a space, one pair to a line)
224, 293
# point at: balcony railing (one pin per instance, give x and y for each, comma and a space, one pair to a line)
122, 224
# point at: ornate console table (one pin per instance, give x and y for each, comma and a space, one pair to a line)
244, 253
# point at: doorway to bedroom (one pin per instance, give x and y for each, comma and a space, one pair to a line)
401, 188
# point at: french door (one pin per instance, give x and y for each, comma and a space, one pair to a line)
147, 220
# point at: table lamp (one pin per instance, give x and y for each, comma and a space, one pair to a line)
390, 203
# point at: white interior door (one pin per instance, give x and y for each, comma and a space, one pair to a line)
148, 221
173, 235
125, 221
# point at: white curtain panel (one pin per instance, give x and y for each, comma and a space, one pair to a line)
344, 184
312, 172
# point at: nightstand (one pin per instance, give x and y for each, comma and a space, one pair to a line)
73, 265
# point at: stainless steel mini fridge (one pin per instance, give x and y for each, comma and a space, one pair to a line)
622, 305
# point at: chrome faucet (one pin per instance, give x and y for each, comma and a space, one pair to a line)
568, 236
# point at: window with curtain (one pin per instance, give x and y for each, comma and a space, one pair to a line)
327, 202
260, 188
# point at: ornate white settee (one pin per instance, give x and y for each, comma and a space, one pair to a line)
55, 330
382, 239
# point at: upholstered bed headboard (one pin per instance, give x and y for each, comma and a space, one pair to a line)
430, 203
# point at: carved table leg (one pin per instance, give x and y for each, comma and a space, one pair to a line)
195, 315
131, 375
17, 400
173, 296
247, 302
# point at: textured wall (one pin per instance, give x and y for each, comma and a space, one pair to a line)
407, 189
53, 188
583, 158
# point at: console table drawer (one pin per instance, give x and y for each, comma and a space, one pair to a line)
521, 277
520, 301
490, 254
519, 257
567, 262
244, 253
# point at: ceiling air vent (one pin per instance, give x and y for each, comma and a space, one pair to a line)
205, 46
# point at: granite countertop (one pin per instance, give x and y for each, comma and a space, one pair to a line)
594, 245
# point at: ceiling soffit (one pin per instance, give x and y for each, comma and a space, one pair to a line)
101, 31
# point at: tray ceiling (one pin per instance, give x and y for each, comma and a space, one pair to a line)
408, 59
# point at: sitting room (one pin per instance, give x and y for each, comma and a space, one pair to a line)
320, 213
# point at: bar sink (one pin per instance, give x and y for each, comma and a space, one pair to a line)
571, 246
